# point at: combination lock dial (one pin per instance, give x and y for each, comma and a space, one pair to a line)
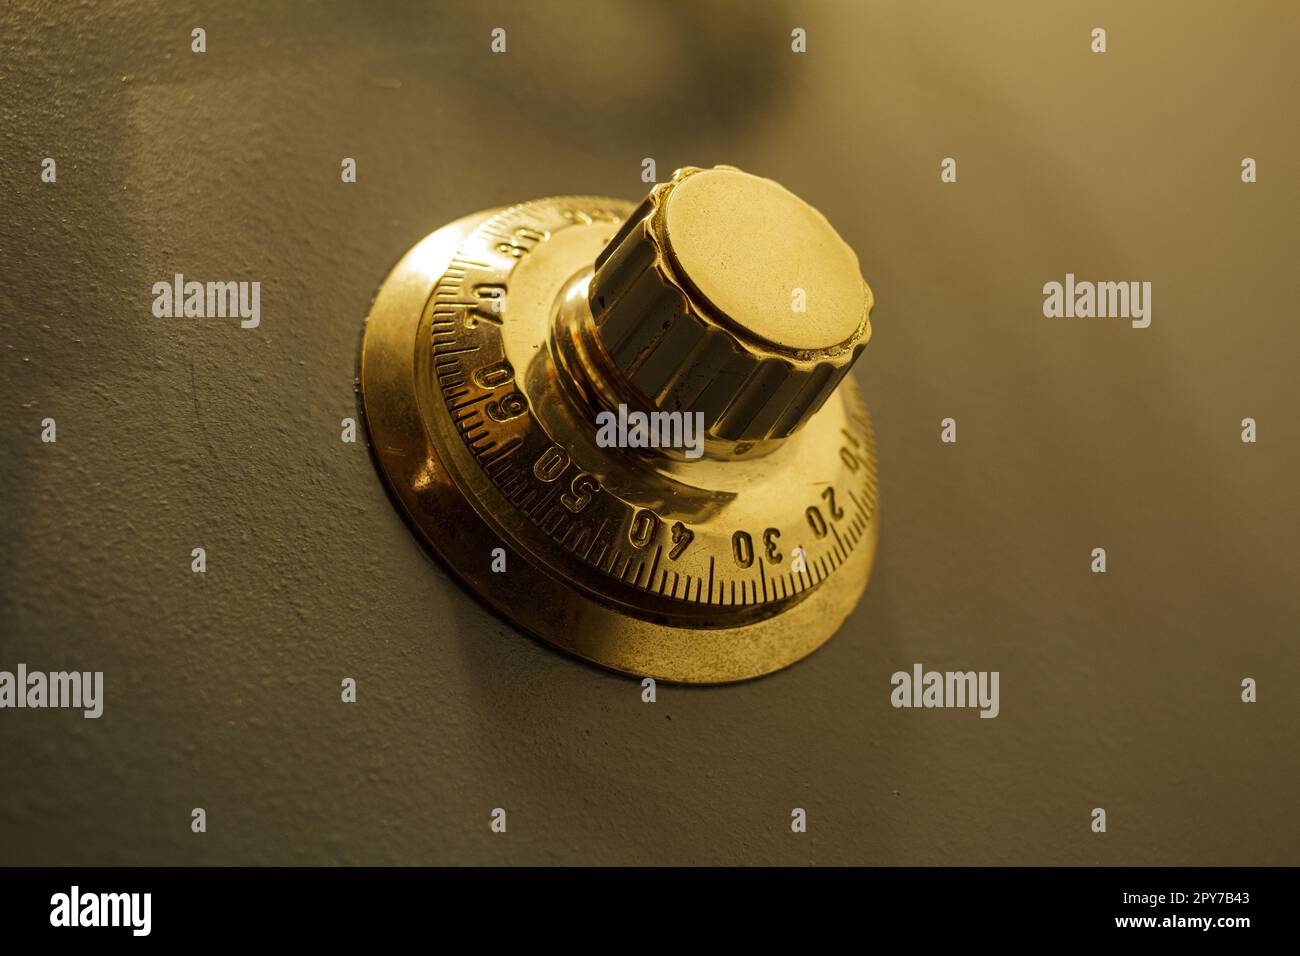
630, 429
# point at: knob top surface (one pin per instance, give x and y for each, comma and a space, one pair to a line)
746, 244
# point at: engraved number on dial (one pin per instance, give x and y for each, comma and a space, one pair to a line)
771, 551
644, 525
682, 537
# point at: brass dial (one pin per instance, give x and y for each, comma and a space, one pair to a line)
497, 344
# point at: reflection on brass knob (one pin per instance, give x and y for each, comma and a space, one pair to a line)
728, 295
499, 342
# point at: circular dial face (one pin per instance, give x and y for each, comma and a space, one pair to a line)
700, 570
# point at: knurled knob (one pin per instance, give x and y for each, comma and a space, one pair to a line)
726, 294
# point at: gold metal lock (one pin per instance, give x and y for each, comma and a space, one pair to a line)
629, 429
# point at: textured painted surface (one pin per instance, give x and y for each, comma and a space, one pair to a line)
1118, 691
